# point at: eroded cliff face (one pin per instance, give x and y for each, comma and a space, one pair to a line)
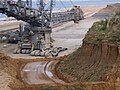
91, 62
96, 64
8, 73
98, 60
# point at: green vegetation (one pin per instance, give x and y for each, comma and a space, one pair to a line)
117, 13
79, 88
49, 88
102, 25
107, 30
63, 88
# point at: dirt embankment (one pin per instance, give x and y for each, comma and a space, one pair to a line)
97, 60
108, 11
110, 8
8, 73
99, 57
91, 62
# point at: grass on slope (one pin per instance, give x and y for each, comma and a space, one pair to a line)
107, 30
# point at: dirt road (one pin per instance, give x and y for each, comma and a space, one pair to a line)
69, 35
40, 73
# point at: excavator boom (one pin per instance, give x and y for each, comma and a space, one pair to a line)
35, 35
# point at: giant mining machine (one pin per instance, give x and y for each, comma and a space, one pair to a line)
35, 33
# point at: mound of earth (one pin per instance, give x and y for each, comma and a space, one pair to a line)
8, 73
109, 11
99, 56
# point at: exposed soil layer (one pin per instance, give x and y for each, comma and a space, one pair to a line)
99, 56
8, 73
91, 62
96, 60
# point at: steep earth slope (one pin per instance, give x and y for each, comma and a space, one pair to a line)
99, 56
8, 73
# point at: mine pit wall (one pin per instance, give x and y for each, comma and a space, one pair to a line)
99, 54
97, 61
91, 51
93, 63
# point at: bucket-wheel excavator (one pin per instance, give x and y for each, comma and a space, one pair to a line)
35, 33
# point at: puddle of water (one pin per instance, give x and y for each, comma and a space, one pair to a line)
49, 74
30, 70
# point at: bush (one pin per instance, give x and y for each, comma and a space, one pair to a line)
101, 25
48, 88
117, 13
79, 88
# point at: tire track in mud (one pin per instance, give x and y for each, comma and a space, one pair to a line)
40, 73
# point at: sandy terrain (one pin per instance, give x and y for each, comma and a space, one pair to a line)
99, 58
68, 35
91, 10
9, 24
71, 35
